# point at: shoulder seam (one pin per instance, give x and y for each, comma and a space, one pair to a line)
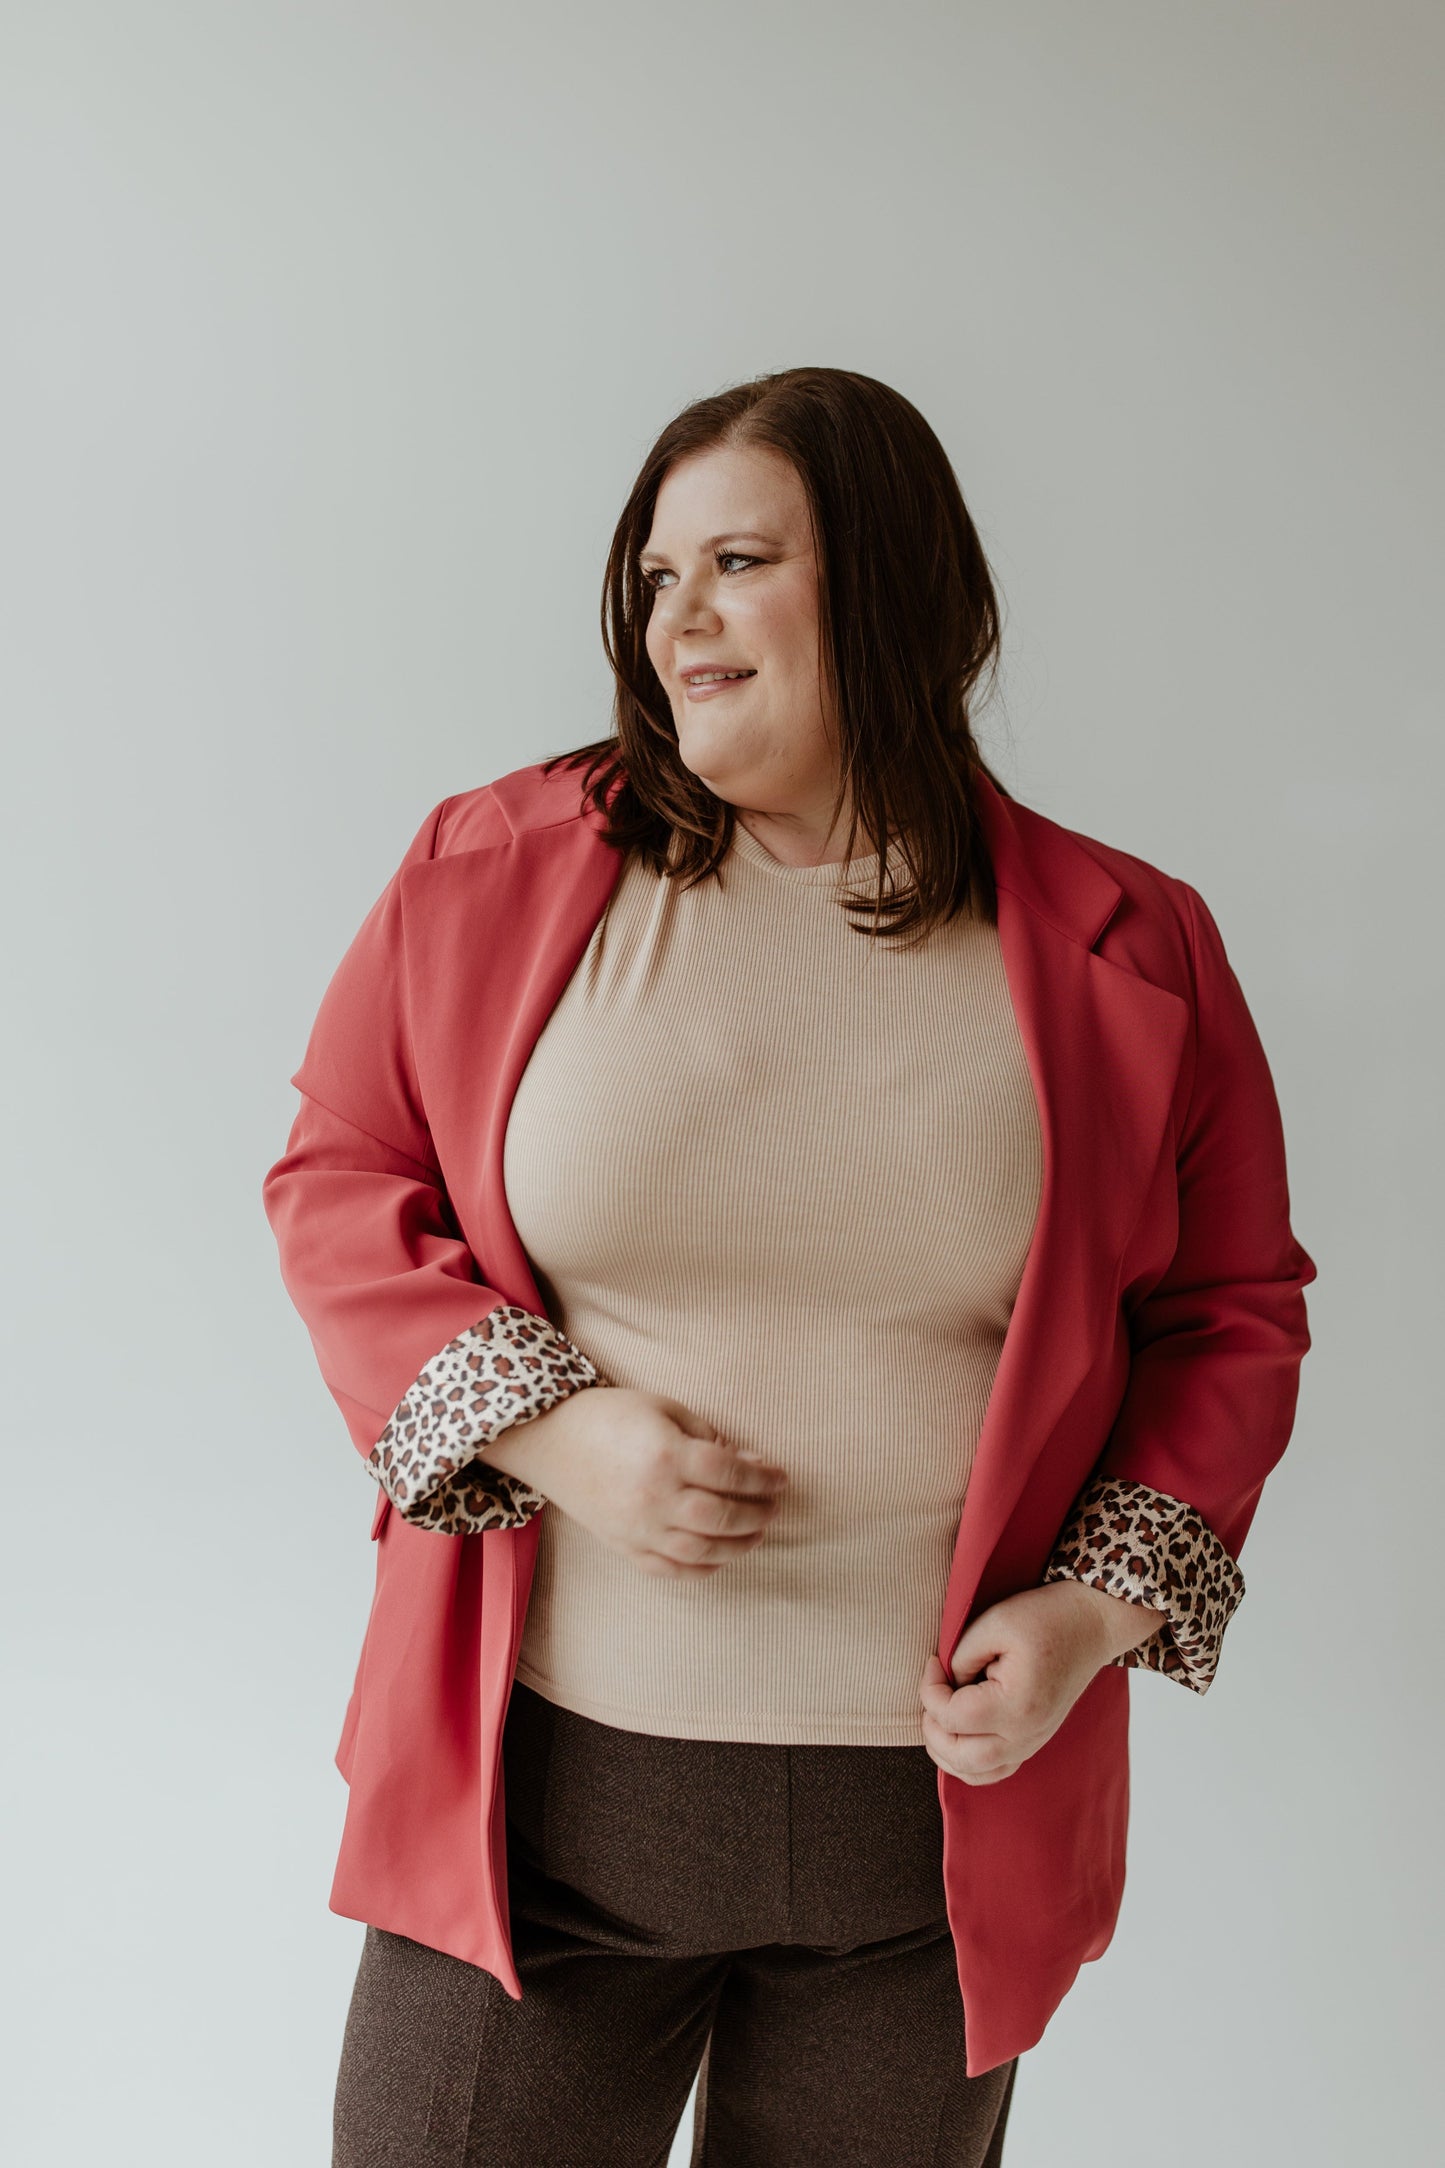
438, 822
439, 847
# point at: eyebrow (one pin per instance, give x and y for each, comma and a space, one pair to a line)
734, 534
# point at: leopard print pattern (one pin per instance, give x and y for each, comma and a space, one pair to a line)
1149, 1548
508, 1366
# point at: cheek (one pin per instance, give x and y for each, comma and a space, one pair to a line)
792, 652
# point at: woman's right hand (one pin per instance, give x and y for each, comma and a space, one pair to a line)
650, 1479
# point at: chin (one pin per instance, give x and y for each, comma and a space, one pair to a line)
715, 783
704, 761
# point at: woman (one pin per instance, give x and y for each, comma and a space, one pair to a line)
857, 1205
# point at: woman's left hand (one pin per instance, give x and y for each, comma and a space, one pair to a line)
1027, 1660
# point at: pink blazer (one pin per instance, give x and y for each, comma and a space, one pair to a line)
1157, 1335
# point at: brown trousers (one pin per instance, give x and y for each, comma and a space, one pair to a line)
767, 1919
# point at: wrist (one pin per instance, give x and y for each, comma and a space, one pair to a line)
1116, 1624
530, 1450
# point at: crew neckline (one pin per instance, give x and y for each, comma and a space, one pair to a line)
747, 846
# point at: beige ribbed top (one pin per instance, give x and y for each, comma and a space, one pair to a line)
786, 1173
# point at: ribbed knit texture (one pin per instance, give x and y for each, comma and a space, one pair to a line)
786, 1173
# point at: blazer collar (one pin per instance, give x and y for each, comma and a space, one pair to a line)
1047, 867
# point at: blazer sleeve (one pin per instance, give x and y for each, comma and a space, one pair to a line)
1217, 1345
426, 1362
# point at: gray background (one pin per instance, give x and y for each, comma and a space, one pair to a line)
333, 338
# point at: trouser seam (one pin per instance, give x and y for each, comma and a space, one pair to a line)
788, 1752
489, 2010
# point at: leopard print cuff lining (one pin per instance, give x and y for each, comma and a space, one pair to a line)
508, 1366
1149, 1548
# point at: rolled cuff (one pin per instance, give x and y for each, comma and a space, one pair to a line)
508, 1366
1142, 1545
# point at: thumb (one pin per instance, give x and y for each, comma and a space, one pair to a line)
974, 1650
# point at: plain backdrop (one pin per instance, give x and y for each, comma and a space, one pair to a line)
333, 336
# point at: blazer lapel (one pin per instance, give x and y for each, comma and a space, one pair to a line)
493, 936
1104, 1048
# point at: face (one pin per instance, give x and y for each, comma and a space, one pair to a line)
731, 562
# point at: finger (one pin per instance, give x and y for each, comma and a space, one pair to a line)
976, 1761
714, 1465
934, 1691
975, 1709
967, 1777
709, 1513
967, 1666
972, 1674
967, 1710
662, 1568
686, 1418
933, 1682
692, 1549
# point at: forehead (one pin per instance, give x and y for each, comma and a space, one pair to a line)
729, 491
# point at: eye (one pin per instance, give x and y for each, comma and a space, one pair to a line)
653, 573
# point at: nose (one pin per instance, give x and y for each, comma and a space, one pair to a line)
681, 608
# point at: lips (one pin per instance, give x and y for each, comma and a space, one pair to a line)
690, 677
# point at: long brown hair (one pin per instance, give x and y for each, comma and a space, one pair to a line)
908, 625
